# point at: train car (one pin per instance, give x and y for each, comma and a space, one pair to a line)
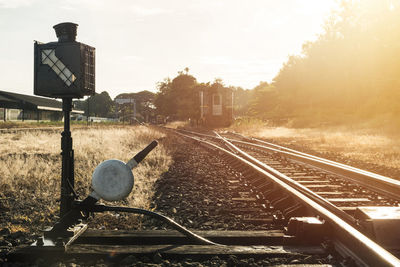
216, 106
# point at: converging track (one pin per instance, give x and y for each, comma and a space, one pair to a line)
299, 184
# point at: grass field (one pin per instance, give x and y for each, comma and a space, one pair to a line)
30, 170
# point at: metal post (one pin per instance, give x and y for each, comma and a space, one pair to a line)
233, 102
67, 173
134, 109
116, 111
88, 112
201, 104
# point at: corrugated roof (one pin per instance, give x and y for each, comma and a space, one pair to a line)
6, 102
19, 101
5, 99
32, 100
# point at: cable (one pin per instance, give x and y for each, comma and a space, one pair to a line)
175, 225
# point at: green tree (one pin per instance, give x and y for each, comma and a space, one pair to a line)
264, 100
99, 105
163, 99
178, 98
145, 108
352, 69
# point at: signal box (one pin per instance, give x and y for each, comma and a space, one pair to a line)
64, 69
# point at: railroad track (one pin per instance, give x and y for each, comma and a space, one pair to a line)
302, 202
17, 130
356, 204
54, 128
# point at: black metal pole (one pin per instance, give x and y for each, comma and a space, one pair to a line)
67, 173
88, 112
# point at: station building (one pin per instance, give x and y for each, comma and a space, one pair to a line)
19, 107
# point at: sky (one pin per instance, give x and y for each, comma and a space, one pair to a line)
139, 43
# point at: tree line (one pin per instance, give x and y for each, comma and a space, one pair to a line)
351, 73
176, 99
179, 98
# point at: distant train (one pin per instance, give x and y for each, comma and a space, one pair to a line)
216, 107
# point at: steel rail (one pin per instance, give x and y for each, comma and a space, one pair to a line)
365, 251
375, 182
330, 162
378, 176
322, 201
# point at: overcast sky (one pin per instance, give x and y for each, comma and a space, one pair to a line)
139, 43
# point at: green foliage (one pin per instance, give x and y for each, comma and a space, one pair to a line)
98, 105
144, 104
264, 100
242, 98
179, 98
350, 73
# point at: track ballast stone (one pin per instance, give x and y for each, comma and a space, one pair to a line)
198, 189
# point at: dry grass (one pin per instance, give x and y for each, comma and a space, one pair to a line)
30, 169
366, 145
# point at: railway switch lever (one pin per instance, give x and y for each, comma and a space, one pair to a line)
113, 180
